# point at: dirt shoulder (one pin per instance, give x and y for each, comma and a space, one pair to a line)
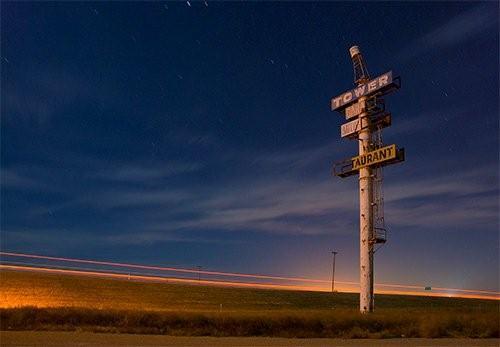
50, 339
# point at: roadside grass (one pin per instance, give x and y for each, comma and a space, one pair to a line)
34, 301
335, 324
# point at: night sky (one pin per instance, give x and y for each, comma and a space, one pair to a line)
200, 133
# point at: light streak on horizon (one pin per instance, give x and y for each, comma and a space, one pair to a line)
46, 267
243, 275
226, 283
173, 269
157, 278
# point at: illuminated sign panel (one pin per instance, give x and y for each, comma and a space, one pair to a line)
351, 127
374, 157
347, 167
362, 90
354, 110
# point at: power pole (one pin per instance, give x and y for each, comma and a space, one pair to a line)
199, 273
365, 109
333, 271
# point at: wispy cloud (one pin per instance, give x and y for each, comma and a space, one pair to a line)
279, 207
461, 28
295, 206
135, 173
428, 121
138, 198
13, 179
150, 237
291, 202
448, 215
465, 183
78, 237
328, 207
22, 179
40, 94
297, 158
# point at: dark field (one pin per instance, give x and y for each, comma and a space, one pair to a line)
106, 305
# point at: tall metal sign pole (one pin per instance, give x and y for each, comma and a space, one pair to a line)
365, 106
365, 220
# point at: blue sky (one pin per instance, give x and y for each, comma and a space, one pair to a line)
201, 134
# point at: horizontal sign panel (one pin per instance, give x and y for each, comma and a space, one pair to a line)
351, 127
354, 110
362, 90
345, 168
374, 157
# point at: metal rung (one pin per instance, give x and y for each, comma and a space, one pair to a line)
380, 236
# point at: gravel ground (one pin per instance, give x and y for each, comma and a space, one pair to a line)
49, 339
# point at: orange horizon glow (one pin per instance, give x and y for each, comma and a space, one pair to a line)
173, 269
257, 276
231, 283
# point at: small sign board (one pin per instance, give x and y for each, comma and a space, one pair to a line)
352, 127
374, 157
428, 288
344, 168
352, 95
354, 110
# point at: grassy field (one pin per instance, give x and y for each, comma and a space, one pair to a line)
62, 302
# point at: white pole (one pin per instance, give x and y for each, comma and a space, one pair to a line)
365, 220
333, 271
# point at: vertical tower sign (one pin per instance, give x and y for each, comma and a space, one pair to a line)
365, 109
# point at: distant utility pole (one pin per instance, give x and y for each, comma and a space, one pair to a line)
333, 271
199, 273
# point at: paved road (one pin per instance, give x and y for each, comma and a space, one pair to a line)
52, 339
